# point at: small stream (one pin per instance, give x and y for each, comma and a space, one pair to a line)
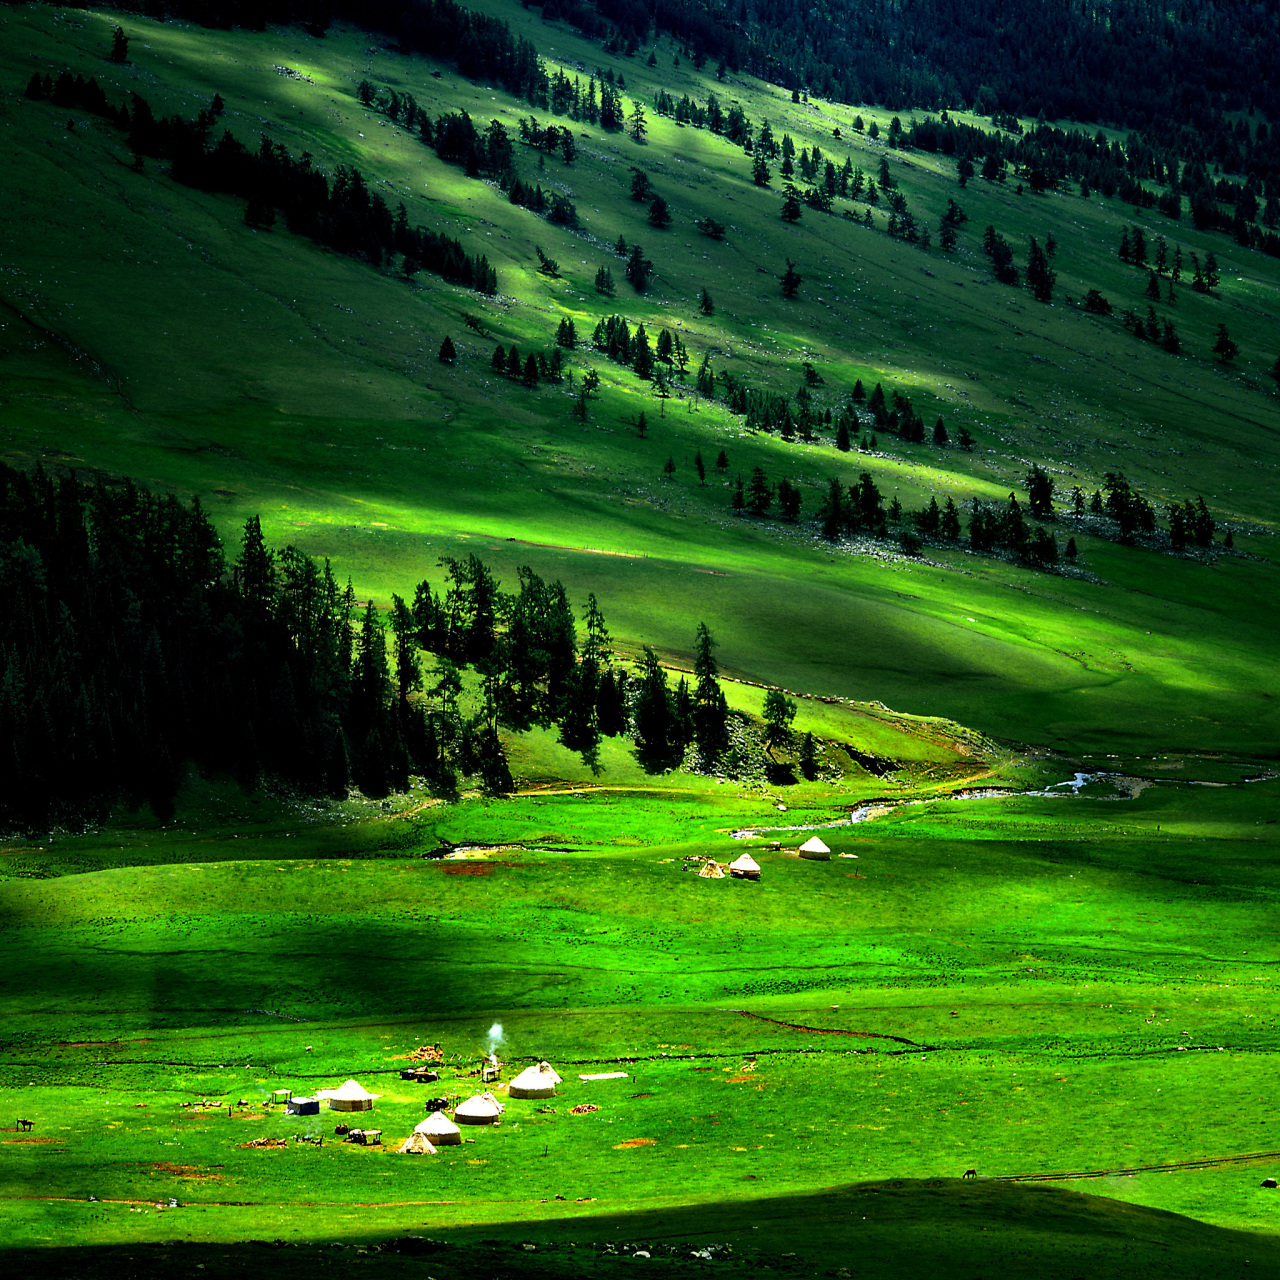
1128, 787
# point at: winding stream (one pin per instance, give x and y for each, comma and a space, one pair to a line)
1128, 787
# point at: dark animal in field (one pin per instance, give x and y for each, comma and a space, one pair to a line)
25, 1125
971, 1173
341, 1129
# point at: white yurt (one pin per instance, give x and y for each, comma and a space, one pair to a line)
440, 1130
349, 1097
816, 850
480, 1108
745, 868
535, 1082
417, 1144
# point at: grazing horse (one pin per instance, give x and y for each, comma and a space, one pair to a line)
971, 1173
25, 1125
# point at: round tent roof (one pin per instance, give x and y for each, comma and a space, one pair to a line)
351, 1091
440, 1129
815, 848
480, 1108
535, 1082
744, 863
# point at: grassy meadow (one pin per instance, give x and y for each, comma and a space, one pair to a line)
1030, 983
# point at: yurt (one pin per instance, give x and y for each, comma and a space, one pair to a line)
711, 870
745, 868
438, 1128
815, 850
480, 1108
349, 1097
535, 1082
417, 1144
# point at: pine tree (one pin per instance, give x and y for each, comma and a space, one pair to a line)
790, 204
1040, 278
808, 757
659, 214
700, 467
779, 711
448, 354
791, 281
1040, 493
759, 493
708, 308
636, 124
639, 269
604, 282
710, 710
119, 46
1224, 348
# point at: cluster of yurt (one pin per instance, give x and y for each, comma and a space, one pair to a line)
437, 1130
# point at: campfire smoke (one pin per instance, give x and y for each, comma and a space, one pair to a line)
495, 1037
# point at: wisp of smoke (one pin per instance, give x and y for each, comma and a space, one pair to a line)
495, 1036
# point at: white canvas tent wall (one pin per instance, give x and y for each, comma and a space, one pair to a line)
440, 1129
535, 1082
481, 1108
417, 1144
745, 868
349, 1097
816, 850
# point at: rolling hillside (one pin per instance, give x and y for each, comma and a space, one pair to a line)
1043, 945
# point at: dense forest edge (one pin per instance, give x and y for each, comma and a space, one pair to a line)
132, 648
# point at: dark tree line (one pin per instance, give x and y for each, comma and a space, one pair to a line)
342, 213
1128, 62
131, 649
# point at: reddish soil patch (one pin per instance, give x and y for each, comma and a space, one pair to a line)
467, 868
635, 1142
749, 1076
32, 1142
191, 1171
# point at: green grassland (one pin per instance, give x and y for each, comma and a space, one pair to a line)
1029, 984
